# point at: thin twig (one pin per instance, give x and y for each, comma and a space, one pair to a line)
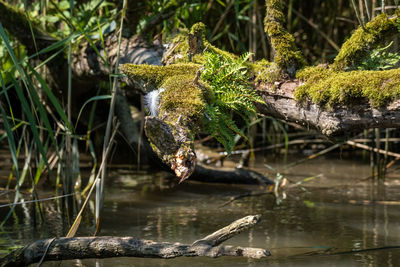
380, 151
366, 7
249, 194
45, 252
221, 19
293, 142
36, 200
386, 8
357, 14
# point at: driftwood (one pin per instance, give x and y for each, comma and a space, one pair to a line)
106, 247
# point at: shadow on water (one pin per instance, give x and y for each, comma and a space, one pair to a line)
337, 219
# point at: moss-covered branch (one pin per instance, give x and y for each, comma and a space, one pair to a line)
364, 39
179, 100
286, 55
335, 85
340, 120
188, 96
327, 87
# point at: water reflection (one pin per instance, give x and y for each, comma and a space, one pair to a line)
314, 225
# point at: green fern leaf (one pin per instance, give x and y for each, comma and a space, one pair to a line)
233, 93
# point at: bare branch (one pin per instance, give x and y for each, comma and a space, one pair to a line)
106, 246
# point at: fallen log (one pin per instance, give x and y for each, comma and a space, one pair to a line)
63, 248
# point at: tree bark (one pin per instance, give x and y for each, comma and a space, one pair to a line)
106, 247
338, 121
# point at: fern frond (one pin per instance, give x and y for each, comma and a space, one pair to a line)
228, 80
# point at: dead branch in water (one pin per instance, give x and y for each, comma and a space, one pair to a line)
106, 247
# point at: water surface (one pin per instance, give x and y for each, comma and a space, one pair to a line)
336, 219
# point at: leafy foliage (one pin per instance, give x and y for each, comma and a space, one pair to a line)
380, 59
232, 93
46, 126
85, 18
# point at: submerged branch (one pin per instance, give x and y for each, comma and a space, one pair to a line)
106, 247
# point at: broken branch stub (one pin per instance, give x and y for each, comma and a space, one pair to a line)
229, 231
173, 146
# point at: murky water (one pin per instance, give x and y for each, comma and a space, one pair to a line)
335, 219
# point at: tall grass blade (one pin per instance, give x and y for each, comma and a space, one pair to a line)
34, 201
30, 25
4, 90
13, 129
14, 157
102, 40
43, 114
90, 122
94, 98
10, 177
78, 218
76, 173
21, 96
53, 99
93, 171
26, 166
39, 171
68, 187
285, 134
3, 35
32, 123
106, 144
48, 49
60, 43
59, 166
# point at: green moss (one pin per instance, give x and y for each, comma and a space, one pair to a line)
198, 28
199, 59
363, 40
180, 45
157, 74
330, 88
287, 56
265, 71
182, 97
